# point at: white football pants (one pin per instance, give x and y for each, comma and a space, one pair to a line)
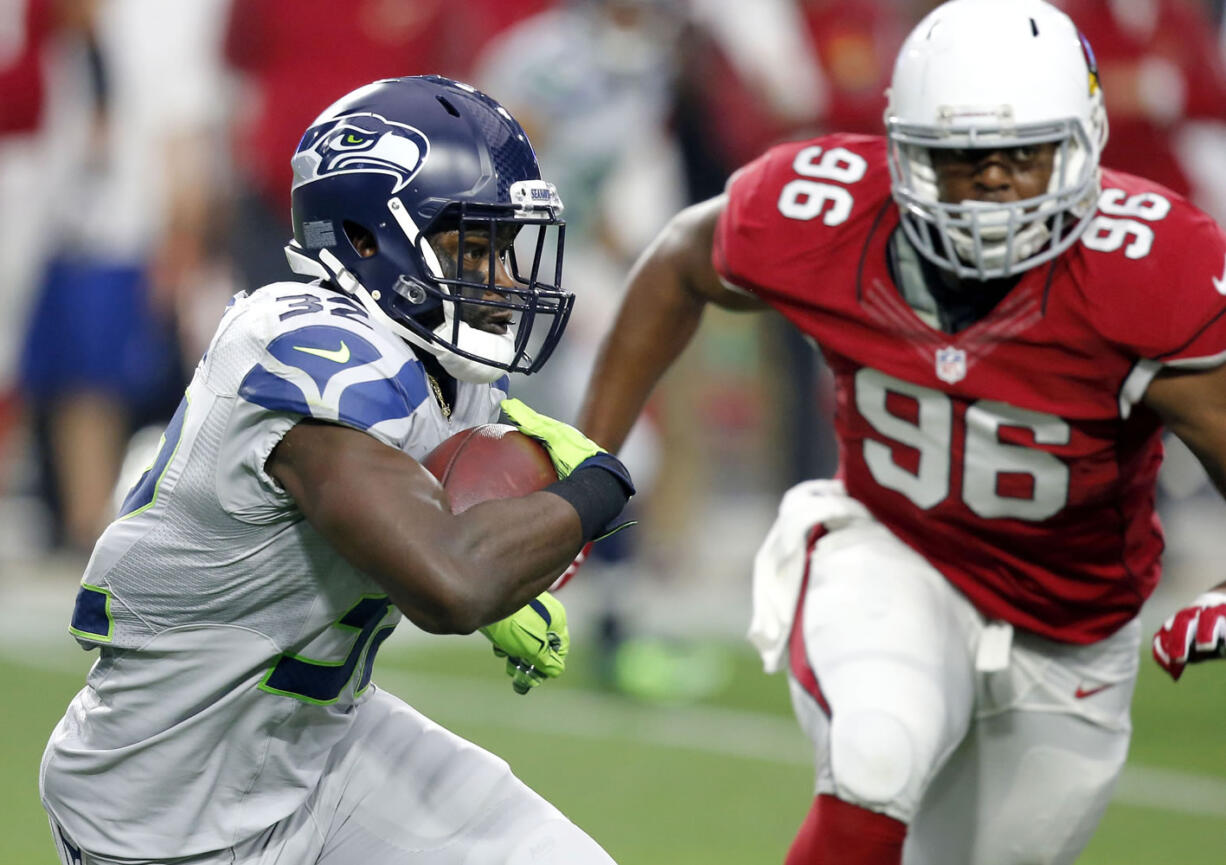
996, 748
401, 790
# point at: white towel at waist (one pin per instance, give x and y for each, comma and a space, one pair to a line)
779, 564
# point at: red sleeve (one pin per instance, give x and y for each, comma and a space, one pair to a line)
1197, 324
1170, 304
737, 250
759, 247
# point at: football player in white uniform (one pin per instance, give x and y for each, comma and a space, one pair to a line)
286, 524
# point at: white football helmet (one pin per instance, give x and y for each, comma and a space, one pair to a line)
993, 74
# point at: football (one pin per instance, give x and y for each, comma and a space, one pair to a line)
491, 461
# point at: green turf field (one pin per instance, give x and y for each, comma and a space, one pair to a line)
724, 780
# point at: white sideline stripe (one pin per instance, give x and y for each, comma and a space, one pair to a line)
707, 730
1169, 790
591, 715
728, 732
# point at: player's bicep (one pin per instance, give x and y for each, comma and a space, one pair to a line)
1192, 404
687, 245
356, 491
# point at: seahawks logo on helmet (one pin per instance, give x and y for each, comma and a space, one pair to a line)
361, 144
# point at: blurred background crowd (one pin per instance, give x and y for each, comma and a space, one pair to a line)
144, 179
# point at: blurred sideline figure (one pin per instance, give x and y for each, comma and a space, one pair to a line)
593, 82
1161, 59
40, 44
283, 85
811, 66
286, 525
749, 82
1010, 327
838, 65
26, 38
129, 226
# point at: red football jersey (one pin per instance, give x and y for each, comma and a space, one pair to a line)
1015, 454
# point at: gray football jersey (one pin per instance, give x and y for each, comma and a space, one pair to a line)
235, 643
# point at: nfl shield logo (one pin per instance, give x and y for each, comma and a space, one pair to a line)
951, 364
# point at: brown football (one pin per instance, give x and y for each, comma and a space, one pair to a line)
491, 461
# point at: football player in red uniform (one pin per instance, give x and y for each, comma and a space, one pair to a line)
1009, 327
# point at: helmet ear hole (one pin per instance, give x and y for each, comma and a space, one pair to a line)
362, 239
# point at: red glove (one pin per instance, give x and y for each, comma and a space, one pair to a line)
1195, 633
573, 569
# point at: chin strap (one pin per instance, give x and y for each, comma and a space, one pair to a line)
467, 369
499, 347
301, 263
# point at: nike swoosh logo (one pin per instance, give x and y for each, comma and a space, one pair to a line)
340, 355
1081, 693
1220, 284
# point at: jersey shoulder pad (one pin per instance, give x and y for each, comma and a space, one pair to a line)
797, 203
307, 351
1155, 273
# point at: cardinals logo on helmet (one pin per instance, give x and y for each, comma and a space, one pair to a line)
361, 143
1091, 62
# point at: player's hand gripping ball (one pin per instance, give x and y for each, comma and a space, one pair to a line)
534, 640
568, 448
1195, 633
496, 461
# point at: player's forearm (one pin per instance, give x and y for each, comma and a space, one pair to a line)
387, 516
511, 550
478, 566
657, 320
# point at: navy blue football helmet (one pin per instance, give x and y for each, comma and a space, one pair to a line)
388, 168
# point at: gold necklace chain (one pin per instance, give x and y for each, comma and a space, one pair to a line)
438, 396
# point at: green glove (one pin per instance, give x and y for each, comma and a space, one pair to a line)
597, 504
566, 445
534, 640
